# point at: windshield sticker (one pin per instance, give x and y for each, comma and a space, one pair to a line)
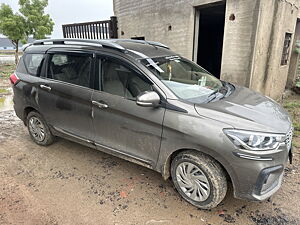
152, 63
173, 58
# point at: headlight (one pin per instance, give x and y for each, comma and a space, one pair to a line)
257, 141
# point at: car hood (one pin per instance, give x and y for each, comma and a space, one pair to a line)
249, 110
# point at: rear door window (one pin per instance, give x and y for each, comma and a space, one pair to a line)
70, 68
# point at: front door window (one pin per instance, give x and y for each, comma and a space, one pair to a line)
119, 79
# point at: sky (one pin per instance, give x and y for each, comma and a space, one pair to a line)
72, 11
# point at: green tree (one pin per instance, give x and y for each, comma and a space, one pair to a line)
30, 20
13, 26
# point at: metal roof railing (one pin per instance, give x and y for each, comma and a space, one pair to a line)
142, 42
109, 43
101, 43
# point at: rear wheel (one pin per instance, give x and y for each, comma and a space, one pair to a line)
38, 129
199, 179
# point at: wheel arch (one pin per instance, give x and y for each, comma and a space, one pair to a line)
27, 110
166, 167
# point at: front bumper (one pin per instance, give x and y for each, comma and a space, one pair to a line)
260, 175
268, 182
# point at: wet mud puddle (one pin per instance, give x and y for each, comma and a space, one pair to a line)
6, 99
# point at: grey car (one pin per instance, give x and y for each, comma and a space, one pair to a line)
140, 101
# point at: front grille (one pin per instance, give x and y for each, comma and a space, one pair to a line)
289, 137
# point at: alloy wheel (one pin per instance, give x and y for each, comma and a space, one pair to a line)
192, 181
36, 129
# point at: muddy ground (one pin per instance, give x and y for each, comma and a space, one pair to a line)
67, 183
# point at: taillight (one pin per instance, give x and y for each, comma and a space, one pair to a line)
14, 79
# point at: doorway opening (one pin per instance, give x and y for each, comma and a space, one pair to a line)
210, 37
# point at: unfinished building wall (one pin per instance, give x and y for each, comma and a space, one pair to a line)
295, 57
239, 39
169, 22
253, 41
276, 18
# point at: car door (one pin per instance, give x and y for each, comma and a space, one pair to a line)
120, 124
65, 94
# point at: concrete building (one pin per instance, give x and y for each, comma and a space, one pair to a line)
247, 42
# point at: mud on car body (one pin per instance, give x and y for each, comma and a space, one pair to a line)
142, 102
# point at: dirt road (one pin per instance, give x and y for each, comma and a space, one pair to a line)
67, 183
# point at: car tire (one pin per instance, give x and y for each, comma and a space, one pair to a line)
199, 179
38, 129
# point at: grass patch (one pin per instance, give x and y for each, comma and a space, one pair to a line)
3, 91
6, 70
6, 53
10, 52
296, 126
292, 105
2, 99
295, 145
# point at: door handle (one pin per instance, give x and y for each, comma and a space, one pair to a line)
45, 87
100, 105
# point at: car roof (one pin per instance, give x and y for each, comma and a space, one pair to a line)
135, 48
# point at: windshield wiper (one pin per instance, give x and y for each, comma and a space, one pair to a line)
223, 90
212, 96
213, 93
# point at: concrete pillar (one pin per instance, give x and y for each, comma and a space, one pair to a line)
294, 61
239, 38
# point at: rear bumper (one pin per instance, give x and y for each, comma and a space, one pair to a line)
19, 103
19, 112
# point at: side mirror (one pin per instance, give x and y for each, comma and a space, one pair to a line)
148, 99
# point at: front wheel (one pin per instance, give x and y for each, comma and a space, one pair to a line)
199, 179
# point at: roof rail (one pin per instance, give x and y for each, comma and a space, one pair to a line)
157, 44
102, 43
25, 46
142, 42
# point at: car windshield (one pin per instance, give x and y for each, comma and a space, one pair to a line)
184, 78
